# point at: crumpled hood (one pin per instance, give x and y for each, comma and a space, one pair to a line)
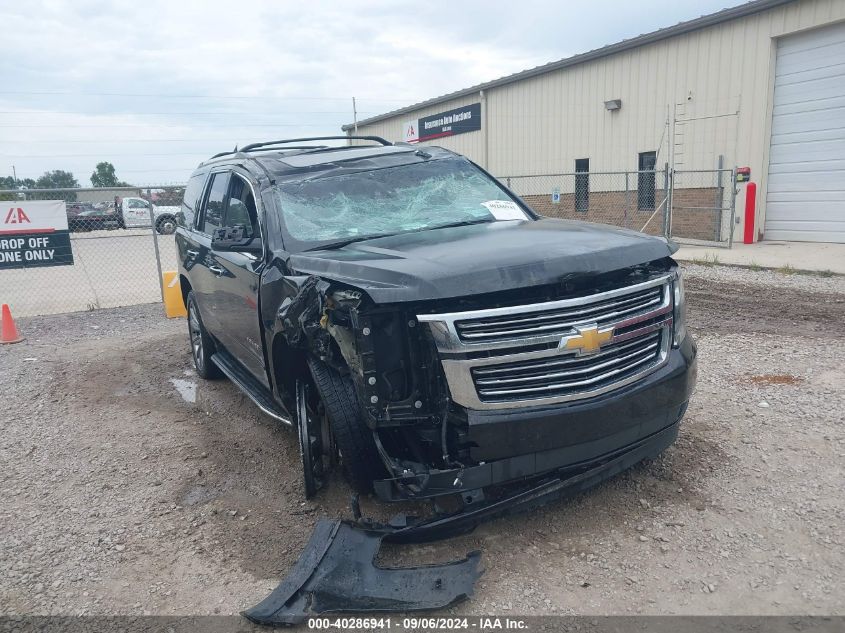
480, 258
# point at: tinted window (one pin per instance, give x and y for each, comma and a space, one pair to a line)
134, 203
646, 180
213, 218
191, 199
582, 184
241, 209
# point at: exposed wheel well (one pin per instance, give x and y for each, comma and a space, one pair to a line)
185, 286
289, 364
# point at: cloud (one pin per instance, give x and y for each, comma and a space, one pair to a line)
156, 86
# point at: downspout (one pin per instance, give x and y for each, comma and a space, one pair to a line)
485, 129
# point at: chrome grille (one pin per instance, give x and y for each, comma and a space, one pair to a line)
519, 356
559, 321
565, 375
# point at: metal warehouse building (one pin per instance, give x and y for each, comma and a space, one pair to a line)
608, 134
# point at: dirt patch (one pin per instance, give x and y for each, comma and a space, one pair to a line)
774, 379
121, 495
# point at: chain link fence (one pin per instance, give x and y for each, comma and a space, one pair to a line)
703, 205
120, 239
632, 199
690, 206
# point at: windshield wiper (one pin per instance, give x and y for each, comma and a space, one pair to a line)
329, 246
462, 223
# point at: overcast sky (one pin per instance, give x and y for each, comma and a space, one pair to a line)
156, 86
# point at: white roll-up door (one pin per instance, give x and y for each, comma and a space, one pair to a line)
806, 191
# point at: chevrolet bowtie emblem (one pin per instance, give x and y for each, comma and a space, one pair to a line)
588, 340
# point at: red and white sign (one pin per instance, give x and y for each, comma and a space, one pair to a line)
35, 216
34, 233
410, 131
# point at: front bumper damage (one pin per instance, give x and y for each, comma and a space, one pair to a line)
336, 573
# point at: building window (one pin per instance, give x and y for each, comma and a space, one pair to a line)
646, 180
582, 184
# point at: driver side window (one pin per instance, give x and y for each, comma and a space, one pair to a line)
241, 208
213, 216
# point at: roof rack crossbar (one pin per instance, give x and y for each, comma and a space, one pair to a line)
253, 146
268, 148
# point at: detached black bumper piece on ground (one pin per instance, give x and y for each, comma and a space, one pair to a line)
336, 573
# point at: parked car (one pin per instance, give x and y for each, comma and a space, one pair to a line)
136, 213
75, 208
408, 314
95, 220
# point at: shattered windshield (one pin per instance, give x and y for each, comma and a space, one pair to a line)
392, 200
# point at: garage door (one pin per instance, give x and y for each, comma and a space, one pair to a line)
806, 192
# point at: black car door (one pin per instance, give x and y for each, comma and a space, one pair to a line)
236, 283
200, 260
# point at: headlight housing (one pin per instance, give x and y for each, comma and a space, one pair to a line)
679, 313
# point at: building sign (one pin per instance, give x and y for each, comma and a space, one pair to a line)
409, 130
457, 121
34, 233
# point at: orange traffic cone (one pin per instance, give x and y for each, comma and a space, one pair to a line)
8, 330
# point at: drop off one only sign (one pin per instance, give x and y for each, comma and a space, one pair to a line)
34, 233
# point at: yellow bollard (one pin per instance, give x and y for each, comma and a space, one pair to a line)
174, 307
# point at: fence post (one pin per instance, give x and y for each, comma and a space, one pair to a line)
719, 203
733, 208
627, 199
666, 215
155, 246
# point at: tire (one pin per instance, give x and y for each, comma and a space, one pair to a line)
202, 346
166, 225
310, 440
358, 455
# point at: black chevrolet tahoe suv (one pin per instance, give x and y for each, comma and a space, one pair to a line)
418, 323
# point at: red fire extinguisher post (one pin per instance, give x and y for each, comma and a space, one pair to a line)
750, 202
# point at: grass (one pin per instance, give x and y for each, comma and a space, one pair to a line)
787, 270
709, 260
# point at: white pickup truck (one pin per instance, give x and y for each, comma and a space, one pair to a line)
136, 212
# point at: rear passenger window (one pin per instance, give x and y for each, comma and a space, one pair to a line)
241, 210
190, 200
213, 218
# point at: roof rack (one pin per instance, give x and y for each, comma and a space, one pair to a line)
254, 146
268, 144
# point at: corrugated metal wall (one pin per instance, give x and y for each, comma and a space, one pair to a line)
716, 81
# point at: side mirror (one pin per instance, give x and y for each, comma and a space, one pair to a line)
232, 239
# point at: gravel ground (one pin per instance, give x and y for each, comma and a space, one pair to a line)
129, 487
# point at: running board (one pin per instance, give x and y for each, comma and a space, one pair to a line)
256, 392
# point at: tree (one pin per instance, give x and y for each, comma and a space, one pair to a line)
104, 176
8, 182
57, 179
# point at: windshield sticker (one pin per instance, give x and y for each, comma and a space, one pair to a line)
505, 210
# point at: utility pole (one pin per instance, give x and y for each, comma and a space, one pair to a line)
354, 115
14, 177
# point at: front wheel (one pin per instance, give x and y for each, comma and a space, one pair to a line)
202, 346
358, 454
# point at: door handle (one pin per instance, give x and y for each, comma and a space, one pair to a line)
192, 253
217, 270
